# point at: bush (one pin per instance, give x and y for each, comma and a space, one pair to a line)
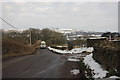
112, 72
70, 45
107, 54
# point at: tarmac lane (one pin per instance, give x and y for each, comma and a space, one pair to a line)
43, 64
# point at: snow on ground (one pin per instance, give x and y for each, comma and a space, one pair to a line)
98, 70
75, 71
80, 50
75, 57
114, 77
70, 59
75, 50
58, 51
78, 56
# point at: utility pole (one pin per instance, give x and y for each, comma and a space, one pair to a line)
37, 34
30, 36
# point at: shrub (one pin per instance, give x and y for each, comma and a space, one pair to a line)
107, 54
70, 45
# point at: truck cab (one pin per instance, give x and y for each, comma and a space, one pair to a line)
43, 45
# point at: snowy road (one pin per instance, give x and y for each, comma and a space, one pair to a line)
43, 64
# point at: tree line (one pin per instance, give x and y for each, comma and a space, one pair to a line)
51, 37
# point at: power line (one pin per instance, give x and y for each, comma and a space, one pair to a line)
15, 28
8, 23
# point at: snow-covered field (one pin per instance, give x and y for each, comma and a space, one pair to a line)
75, 50
97, 68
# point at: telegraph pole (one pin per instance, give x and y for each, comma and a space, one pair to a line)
30, 36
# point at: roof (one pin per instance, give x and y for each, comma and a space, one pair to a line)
98, 38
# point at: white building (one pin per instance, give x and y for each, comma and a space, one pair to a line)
64, 31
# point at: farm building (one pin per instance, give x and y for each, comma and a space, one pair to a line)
92, 41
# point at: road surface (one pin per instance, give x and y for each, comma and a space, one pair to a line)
43, 64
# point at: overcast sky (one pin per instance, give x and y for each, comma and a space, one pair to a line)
88, 16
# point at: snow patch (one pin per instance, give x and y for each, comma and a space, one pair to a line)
97, 69
75, 50
80, 50
70, 59
114, 77
75, 71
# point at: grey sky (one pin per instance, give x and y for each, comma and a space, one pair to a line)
89, 16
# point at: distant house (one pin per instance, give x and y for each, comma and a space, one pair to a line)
111, 36
92, 41
64, 31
